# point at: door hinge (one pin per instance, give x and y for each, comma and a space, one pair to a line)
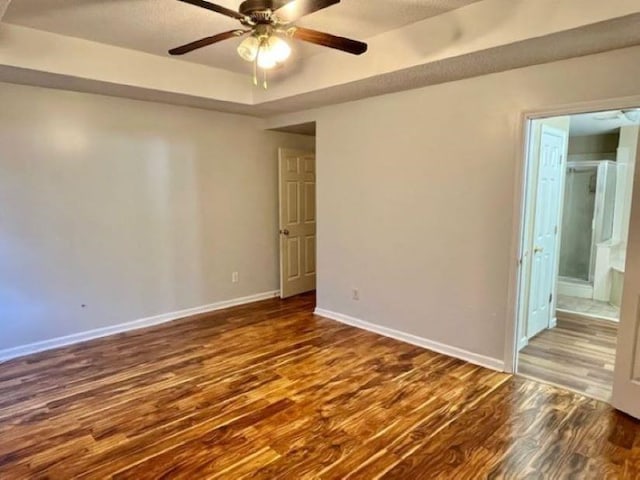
550, 297
556, 230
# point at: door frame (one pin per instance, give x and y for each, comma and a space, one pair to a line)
518, 247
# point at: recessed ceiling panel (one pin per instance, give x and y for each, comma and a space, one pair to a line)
155, 26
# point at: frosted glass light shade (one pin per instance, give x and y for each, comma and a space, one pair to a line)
265, 58
279, 49
248, 49
267, 52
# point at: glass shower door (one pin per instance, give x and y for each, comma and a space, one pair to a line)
589, 202
577, 222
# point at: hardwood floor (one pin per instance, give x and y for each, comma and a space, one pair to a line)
578, 354
271, 391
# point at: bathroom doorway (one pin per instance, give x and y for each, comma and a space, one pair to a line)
589, 254
579, 191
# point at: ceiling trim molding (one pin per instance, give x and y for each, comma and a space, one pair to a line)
35, 78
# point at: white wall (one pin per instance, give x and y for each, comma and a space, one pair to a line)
627, 153
593, 147
131, 208
416, 195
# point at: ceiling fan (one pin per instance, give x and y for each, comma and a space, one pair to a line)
630, 114
268, 23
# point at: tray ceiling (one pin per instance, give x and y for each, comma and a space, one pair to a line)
76, 45
154, 26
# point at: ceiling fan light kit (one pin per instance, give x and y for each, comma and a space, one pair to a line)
265, 49
268, 23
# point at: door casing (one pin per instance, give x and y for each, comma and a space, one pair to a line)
516, 274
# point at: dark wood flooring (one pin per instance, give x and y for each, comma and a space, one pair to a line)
269, 391
579, 354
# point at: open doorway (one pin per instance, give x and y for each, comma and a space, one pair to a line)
579, 190
297, 215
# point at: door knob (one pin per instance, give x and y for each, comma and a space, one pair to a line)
538, 249
284, 232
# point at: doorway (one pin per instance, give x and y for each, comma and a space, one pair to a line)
297, 212
578, 195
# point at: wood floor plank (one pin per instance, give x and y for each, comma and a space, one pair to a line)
270, 390
579, 353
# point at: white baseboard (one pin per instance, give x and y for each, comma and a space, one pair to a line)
553, 323
589, 315
572, 289
476, 359
128, 326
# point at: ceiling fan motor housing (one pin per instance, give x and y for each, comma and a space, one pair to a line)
260, 10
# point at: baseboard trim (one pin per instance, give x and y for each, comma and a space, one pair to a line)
476, 359
588, 316
58, 342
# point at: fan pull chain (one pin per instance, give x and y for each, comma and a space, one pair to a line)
255, 72
263, 46
255, 68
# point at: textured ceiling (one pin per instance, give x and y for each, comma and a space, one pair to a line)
597, 38
601, 122
154, 26
4, 4
601, 37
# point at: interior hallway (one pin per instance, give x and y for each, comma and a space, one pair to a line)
578, 354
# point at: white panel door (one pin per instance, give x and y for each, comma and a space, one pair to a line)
548, 203
626, 382
297, 222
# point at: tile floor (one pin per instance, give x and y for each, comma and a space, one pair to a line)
585, 306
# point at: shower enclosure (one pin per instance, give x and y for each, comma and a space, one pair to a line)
589, 199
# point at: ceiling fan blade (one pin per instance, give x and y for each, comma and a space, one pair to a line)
204, 42
215, 8
327, 40
294, 9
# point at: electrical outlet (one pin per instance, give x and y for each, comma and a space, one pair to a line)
234, 277
356, 294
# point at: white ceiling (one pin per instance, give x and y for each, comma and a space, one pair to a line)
155, 26
601, 122
481, 37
